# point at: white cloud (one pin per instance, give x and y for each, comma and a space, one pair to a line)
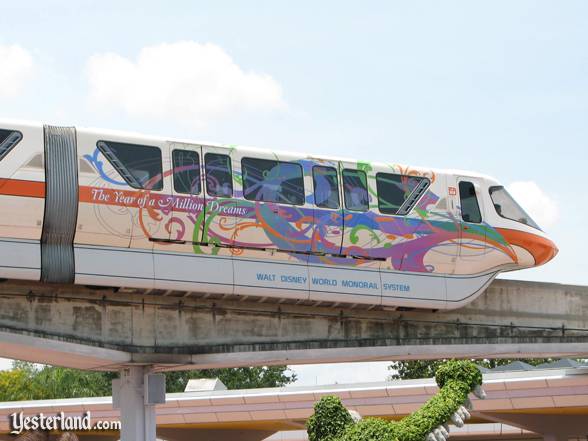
17, 69
538, 204
187, 81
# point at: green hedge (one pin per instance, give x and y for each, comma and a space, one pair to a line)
332, 422
371, 429
329, 421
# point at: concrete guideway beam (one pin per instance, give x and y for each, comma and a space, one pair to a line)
103, 329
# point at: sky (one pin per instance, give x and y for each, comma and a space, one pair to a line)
496, 87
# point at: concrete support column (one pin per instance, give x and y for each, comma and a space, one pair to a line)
136, 400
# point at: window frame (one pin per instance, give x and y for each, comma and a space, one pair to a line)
230, 172
122, 175
314, 167
19, 135
477, 202
199, 172
405, 210
532, 223
367, 191
279, 162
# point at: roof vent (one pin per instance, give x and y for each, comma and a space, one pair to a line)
204, 384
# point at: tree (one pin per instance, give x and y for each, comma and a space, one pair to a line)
234, 378
15, 385
27, 381
57, 382
414, 369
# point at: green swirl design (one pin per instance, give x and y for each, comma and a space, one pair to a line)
354, 236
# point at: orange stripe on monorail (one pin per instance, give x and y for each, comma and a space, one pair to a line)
36, 189
85, 194
18, 187
542, 249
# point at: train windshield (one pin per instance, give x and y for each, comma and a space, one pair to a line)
507, 207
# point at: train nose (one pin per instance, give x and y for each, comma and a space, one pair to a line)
540, 248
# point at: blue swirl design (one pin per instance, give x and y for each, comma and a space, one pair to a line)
99, 166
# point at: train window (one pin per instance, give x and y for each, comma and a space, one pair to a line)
219, 179
139, 165
186, 165
397, 194
470, 210
272, 181
507, 207
8, 139
355, 190
326, 187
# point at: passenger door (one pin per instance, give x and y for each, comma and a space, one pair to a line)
186, 222
446, 226
221, 212
202, 209
472, 229
360, 281
192, 259
357, 237
327, 236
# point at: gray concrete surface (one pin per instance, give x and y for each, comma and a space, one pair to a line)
102, 329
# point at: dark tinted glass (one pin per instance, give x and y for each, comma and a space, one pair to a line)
219, 179
394, 190
8, 139
507, 207
4, 134
470, 210
326, 187
139, 165
272, 181
186, 171
355, 190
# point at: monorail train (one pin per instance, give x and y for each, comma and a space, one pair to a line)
102, 208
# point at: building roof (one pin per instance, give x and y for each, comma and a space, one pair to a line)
204, 384
561, 364
549, 391
514, 366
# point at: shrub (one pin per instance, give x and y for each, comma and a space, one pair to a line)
460, 370
329, 421
456, 379
371, 429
